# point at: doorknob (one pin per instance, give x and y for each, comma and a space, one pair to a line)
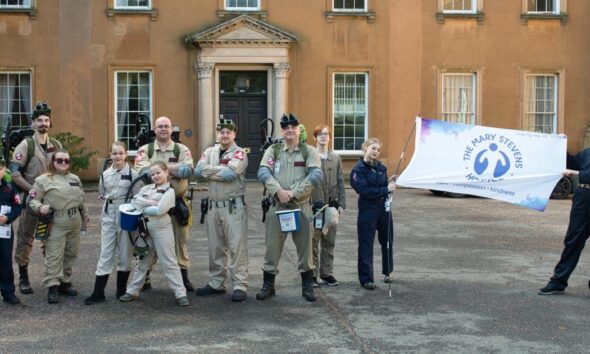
247, 150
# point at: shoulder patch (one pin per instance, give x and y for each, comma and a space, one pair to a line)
354, 176
17, 199
188, 153
32, 193
18, 156
50, 149
139, 155
239, 154
202, 157
270, 161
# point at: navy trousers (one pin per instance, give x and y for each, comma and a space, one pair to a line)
577, 233
6, 273
374, 218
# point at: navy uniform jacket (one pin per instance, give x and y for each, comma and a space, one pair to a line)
370, 182
9, 197
580, 162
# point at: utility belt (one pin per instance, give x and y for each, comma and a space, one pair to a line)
66, 212
231, 202
112, 201
584, 185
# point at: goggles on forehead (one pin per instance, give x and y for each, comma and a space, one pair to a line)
289, 119
41, 109
226, 124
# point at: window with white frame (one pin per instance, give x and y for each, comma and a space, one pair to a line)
15, 4
350, 110
540, 112
242, 5
15, 98
133, 92
459, 97
133, 4
543, 6
459, 6
350, 5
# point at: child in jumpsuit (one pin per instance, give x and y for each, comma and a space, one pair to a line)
113, 188
155, 200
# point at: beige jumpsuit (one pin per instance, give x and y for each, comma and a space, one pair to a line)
227, 219
331, 191
25, 234
289, 173
65, 195
113, 187
160, 240
180, 186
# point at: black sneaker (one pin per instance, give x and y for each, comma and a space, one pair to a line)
314, 282
12, 300
551, 289
207, 290
238, 295
329, 280
369, 286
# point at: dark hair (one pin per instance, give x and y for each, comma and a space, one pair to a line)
51, 169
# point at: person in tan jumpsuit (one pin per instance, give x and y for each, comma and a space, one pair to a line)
155, 200
289, 177
224, 166
24, 175
329, 191
60, 191
180, 170
113, 187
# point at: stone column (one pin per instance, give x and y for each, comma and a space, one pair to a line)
281, 84
206, 127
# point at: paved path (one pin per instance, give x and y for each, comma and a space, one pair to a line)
466, 275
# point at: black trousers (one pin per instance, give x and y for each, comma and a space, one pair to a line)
6, 273
577, 233
373, 218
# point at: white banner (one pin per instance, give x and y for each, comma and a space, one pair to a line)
515, 166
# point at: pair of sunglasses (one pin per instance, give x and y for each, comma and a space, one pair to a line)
63, 161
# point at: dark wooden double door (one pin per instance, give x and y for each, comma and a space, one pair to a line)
247, 111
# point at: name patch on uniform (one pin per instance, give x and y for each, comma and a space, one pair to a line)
173, 159
224, 161
299, 164
239, 155
126, 177
139, 156
74, 184
161, 191
18, 156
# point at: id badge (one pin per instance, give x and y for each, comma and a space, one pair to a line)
277, 167
319, 221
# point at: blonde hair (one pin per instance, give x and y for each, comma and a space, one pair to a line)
119, 144
369, 142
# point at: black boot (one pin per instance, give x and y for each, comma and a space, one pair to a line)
187, 283
23, 284
52, 295
122, 278
98, 294
147, 283
66, 289
307, 286
268, 287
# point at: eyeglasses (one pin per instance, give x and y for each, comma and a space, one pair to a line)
323, 134
63, 161
162, 126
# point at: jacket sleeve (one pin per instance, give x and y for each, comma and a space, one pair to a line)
359, 183
266, 170
580, 162
83, 208
167, 202
340, 185
36, 195
15, 207
204, 168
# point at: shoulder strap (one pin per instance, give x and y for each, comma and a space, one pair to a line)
304, 151
55, 143
30, 150
150, 150
175, 150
